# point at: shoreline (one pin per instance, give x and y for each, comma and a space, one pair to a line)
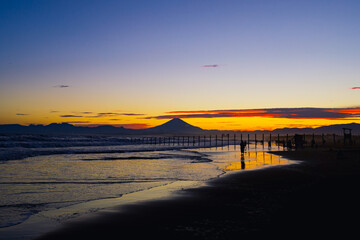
51, 220
317, 197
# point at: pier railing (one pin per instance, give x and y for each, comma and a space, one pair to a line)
262, 140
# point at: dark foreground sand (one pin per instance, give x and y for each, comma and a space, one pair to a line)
318, 198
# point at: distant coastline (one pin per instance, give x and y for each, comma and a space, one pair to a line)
175, 126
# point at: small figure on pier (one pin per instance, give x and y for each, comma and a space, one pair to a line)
312, 143
288, 144
299, 141
269, 144
347, 136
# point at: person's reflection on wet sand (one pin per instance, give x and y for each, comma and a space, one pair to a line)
242, 161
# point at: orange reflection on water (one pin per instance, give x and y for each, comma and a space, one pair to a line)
255, 160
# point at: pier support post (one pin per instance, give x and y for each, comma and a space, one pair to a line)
313, 141
278, 141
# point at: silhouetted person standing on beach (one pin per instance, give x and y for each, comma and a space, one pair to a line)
242, 146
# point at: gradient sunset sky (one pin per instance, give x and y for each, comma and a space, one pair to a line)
235, 65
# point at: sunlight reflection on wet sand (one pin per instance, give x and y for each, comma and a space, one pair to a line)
230, 159
254, 160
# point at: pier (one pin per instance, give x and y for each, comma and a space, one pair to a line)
295, 141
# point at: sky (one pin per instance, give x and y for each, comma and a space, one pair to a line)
230, 65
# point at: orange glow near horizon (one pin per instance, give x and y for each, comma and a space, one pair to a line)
261, 123
222, 111
242, 119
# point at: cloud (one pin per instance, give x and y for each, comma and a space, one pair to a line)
69, 115
292, 113
99, 115
132, 114
114, 114
355, 88
129, 125
76, 122
107, 114
211, 66
61, 86
134, 125
299, 125
22, 114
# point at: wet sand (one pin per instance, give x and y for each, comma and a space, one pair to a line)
319, 197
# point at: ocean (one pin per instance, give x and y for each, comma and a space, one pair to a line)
59, 178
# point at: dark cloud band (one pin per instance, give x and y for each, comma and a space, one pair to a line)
68, 116
292, 113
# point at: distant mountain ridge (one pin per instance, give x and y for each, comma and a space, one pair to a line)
337, 129
174, 126
61, 128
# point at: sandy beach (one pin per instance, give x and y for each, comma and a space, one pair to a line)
316, 197
179, 120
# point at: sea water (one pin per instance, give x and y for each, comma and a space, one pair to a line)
40, 173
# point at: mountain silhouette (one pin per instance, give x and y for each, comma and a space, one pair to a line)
175, 125
331, 129
62, 128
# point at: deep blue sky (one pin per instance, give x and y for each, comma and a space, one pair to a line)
279, 53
